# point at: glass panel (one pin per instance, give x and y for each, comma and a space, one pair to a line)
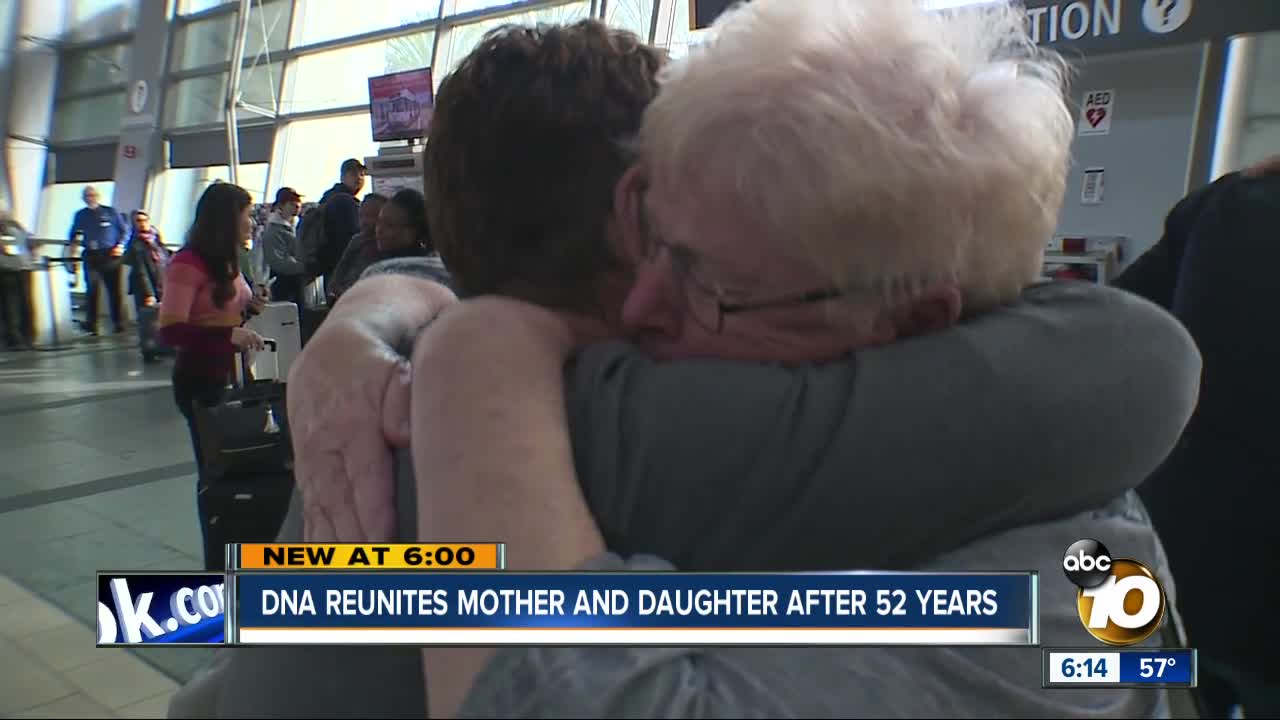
675, 34
206, 42
91, 117
632, 15
268, 29
199, 100
311, 151
92, 19
320, 20
175, 192
340, 78
190, 7
88, 70
466, 6
463, 38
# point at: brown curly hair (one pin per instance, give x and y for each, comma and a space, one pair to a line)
528, 138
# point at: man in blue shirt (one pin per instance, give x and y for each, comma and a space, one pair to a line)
102, 231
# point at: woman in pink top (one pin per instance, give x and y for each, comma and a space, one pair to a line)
205, 301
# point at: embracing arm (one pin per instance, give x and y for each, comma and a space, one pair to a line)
491, 468
1030, 413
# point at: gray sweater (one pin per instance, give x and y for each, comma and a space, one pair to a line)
892, 459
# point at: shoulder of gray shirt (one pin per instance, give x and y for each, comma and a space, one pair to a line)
430, 267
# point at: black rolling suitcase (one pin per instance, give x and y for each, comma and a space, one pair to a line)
247, 475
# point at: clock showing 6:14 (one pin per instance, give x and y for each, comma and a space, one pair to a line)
1084, 668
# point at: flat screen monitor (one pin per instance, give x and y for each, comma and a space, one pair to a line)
400, 105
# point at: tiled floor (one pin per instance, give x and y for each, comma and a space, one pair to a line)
52, 668
95, 474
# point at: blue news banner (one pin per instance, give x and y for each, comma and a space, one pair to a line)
850, 608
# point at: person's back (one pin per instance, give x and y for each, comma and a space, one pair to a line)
1211, 498
341, 213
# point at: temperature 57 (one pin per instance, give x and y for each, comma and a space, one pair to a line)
1154, 667
890, 602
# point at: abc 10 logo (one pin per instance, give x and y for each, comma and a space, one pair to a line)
1120, 601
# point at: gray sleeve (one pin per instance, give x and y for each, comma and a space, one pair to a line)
1033, 412
609, 682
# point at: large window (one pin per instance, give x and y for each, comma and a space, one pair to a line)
92, 117
466, 6
632, 15
94, 69
204, 42
309, 152
461, 39
673, 30
175, 191
199, 100
93, 19
269, 28
316, 21
340, 78
190, 7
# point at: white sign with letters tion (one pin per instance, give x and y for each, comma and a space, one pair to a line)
1095, 116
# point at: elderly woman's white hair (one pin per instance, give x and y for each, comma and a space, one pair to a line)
892, 145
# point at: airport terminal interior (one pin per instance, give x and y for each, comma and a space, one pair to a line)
131, 98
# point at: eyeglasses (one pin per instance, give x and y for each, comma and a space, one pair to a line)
706, 301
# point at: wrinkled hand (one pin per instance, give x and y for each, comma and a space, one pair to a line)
341, 384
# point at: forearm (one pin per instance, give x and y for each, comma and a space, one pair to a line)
488, 467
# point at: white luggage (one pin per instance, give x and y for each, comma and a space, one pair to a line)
278, 321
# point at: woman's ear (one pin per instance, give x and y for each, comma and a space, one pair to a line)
628, 196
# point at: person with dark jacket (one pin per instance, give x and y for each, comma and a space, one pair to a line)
146, 257
341, 218
1214, 270
280, 248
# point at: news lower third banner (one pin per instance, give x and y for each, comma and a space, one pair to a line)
656, 609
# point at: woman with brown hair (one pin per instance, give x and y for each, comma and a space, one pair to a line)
206, 298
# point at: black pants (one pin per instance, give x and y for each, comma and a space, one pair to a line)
15, 313
188, 390
102, 269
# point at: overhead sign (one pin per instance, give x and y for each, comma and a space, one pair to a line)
1097, 111
1103, 26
